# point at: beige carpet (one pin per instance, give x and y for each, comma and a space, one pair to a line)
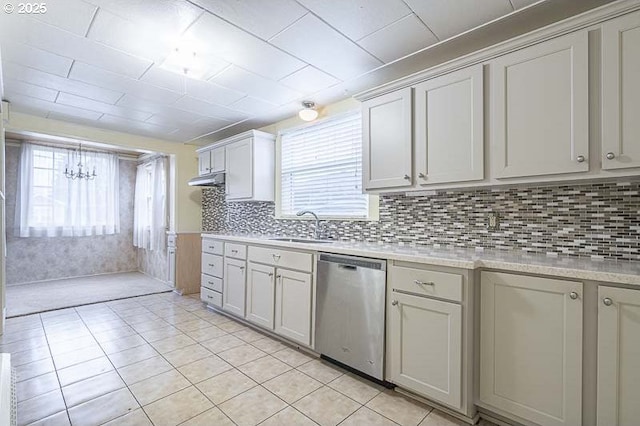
23, 299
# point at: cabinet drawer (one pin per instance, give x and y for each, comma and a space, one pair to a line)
212, 265
212, 246
211, 297
237, 251
212, 283
443, 285
282, 258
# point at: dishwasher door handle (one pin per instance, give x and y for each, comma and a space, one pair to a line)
349, 267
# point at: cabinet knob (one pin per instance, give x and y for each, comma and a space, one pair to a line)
422, 175
418, 282
211, 265
607, 301
270, 274
234, 251
407, 177
610, 156
276, 257
580, 159
394, 303
573, 295
242, 268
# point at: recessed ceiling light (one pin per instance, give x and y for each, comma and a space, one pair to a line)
308, 113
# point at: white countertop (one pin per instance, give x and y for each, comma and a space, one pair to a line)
622, 272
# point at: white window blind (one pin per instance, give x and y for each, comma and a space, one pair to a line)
321, 169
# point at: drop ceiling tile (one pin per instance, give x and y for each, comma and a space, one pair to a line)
35, 58
252, 106
403, 37
213, 93
84, 103
315, 42
309, 80
358, 18
134, 124
238, 47
446, 18
120, 33
187, 103
29, 102
99, 77
17, 87
519, 4
166, 16
176, 114
70, 15
199, 89
261, 18
63, 43
255, 85
51, 81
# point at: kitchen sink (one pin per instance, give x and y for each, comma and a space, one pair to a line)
300, 240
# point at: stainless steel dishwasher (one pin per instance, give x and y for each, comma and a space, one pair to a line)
350, 311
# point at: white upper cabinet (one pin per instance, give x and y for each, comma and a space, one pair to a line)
540, 116
250, 167
239, 170
204, 163
387, 141
449, 128
531, 347
621, 92
618, 356
217, 159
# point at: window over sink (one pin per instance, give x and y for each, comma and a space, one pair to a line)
319, 168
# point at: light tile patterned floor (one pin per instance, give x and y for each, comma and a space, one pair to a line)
166, 360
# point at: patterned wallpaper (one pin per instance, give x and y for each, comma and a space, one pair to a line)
153, 263
37, 259
597, 220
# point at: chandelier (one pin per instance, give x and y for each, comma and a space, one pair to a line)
79, 173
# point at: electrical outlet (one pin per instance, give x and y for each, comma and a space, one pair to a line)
493, 222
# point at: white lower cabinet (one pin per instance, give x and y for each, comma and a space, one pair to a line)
260, 295
531, 347
233, 294
618, 356
424, 346
294, 294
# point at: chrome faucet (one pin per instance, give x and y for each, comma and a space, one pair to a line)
318, 233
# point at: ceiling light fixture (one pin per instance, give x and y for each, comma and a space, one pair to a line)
184, 60
308, 113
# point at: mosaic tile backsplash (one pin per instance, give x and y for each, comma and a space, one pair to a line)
597, 220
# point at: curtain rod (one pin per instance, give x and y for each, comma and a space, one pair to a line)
16, 142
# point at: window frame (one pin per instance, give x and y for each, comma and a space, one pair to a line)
373, 213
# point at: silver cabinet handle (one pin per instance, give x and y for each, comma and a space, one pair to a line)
270, 274
407, 177
607, 301
234, 251
209, 297
212, 247
573, 295
242, 268
580, 159
418, 282
394, 303
422, 175
610, 156
276, 257
212, 265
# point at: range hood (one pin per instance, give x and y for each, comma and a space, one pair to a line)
211, 179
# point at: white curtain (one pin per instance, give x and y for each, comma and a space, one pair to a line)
51, 205
150, 206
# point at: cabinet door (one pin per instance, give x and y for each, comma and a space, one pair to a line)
293, 305
425, 346
618, 356
233, 294
621, 92
239, 169
204, 163
531, 347
540, 122
449, 128
260, 294
218, 159
387, 140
